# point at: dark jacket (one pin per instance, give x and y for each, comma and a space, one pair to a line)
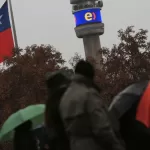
42, 138
85, 118
135, 134
124, 108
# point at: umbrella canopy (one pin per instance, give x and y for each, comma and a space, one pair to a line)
35, 113
125, 99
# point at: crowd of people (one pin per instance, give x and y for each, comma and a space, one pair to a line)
76, 117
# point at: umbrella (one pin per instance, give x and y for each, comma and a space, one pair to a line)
125, 99
35, 113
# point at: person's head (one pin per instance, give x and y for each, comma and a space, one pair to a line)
56, 80
25, 127
85, 69
87, 72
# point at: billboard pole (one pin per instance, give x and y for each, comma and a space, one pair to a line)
89, 27
92, 49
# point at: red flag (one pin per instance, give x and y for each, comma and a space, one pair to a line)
6, 38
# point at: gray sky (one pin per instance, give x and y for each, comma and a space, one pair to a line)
51, 22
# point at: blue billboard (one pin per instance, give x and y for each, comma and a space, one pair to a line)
87, 16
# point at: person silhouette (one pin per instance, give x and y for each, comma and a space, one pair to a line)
24, 138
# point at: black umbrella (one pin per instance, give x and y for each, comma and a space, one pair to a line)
125, 99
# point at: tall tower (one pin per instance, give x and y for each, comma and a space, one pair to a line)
89, 26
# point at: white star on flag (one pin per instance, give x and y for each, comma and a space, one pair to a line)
0, 19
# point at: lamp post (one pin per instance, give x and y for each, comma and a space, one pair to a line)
89, 26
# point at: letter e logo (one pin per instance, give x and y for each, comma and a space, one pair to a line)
88, 16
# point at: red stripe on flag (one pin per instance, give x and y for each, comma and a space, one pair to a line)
6, 44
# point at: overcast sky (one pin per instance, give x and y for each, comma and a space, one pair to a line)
51, 22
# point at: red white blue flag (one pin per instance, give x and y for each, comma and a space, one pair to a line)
6, 38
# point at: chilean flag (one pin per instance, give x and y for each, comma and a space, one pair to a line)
6, 37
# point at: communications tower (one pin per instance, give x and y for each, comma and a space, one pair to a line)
89, 26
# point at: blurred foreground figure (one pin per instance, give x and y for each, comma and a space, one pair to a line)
24, 139
57, 84
42, 138
84, 115
131, 108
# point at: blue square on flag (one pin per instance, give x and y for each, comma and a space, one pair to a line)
4, 18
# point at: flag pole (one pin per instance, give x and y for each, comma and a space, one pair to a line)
13, 23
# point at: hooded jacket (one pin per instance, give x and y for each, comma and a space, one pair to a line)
85, 118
